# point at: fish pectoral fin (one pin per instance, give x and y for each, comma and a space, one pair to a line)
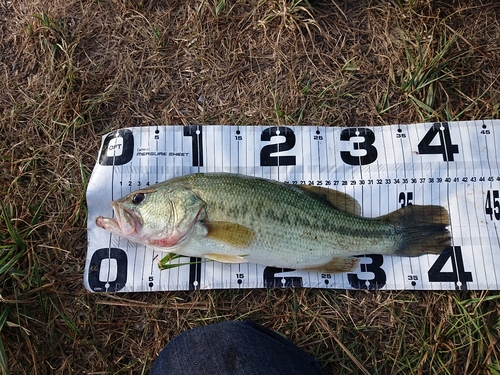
231, 234
337, 265
226, 258
339, 200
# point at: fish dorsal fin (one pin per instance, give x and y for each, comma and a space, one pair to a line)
232, 234
339, 200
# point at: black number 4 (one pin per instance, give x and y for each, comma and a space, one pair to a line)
445, 147
458, 273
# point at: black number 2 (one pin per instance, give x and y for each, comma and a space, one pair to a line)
266, 160
271, 281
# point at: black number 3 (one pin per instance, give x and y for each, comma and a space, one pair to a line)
380, 277
367, 145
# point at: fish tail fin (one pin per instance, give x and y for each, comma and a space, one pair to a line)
423, 229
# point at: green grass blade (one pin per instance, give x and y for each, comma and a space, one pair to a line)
3, 355
421, 104
12, 232
3, 358
163, 263
8, 264
3, 317
66, 319
494, 369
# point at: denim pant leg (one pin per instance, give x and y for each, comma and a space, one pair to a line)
233, 348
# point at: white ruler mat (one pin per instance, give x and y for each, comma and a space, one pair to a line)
455, 165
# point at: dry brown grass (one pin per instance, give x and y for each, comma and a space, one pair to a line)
74, 70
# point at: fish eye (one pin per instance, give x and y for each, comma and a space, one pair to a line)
138, 198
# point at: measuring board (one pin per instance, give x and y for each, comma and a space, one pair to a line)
455, 165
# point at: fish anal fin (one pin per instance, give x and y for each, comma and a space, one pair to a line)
231, 234
336, 265
339, 200
226, 258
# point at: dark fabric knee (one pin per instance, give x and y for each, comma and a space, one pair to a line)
233, 348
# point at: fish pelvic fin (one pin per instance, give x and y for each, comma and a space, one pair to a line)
336, 265
423, 229
226, 258
231, 234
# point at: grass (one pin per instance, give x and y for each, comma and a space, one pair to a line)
71, 71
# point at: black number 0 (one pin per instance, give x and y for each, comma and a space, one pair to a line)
120, 257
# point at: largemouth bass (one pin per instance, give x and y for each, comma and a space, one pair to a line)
234, 218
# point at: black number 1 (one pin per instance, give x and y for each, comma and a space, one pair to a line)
194, 131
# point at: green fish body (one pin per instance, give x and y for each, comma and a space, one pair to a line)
235, 218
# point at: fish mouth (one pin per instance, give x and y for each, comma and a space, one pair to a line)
125, 222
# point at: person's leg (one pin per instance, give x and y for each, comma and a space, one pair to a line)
233, 348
